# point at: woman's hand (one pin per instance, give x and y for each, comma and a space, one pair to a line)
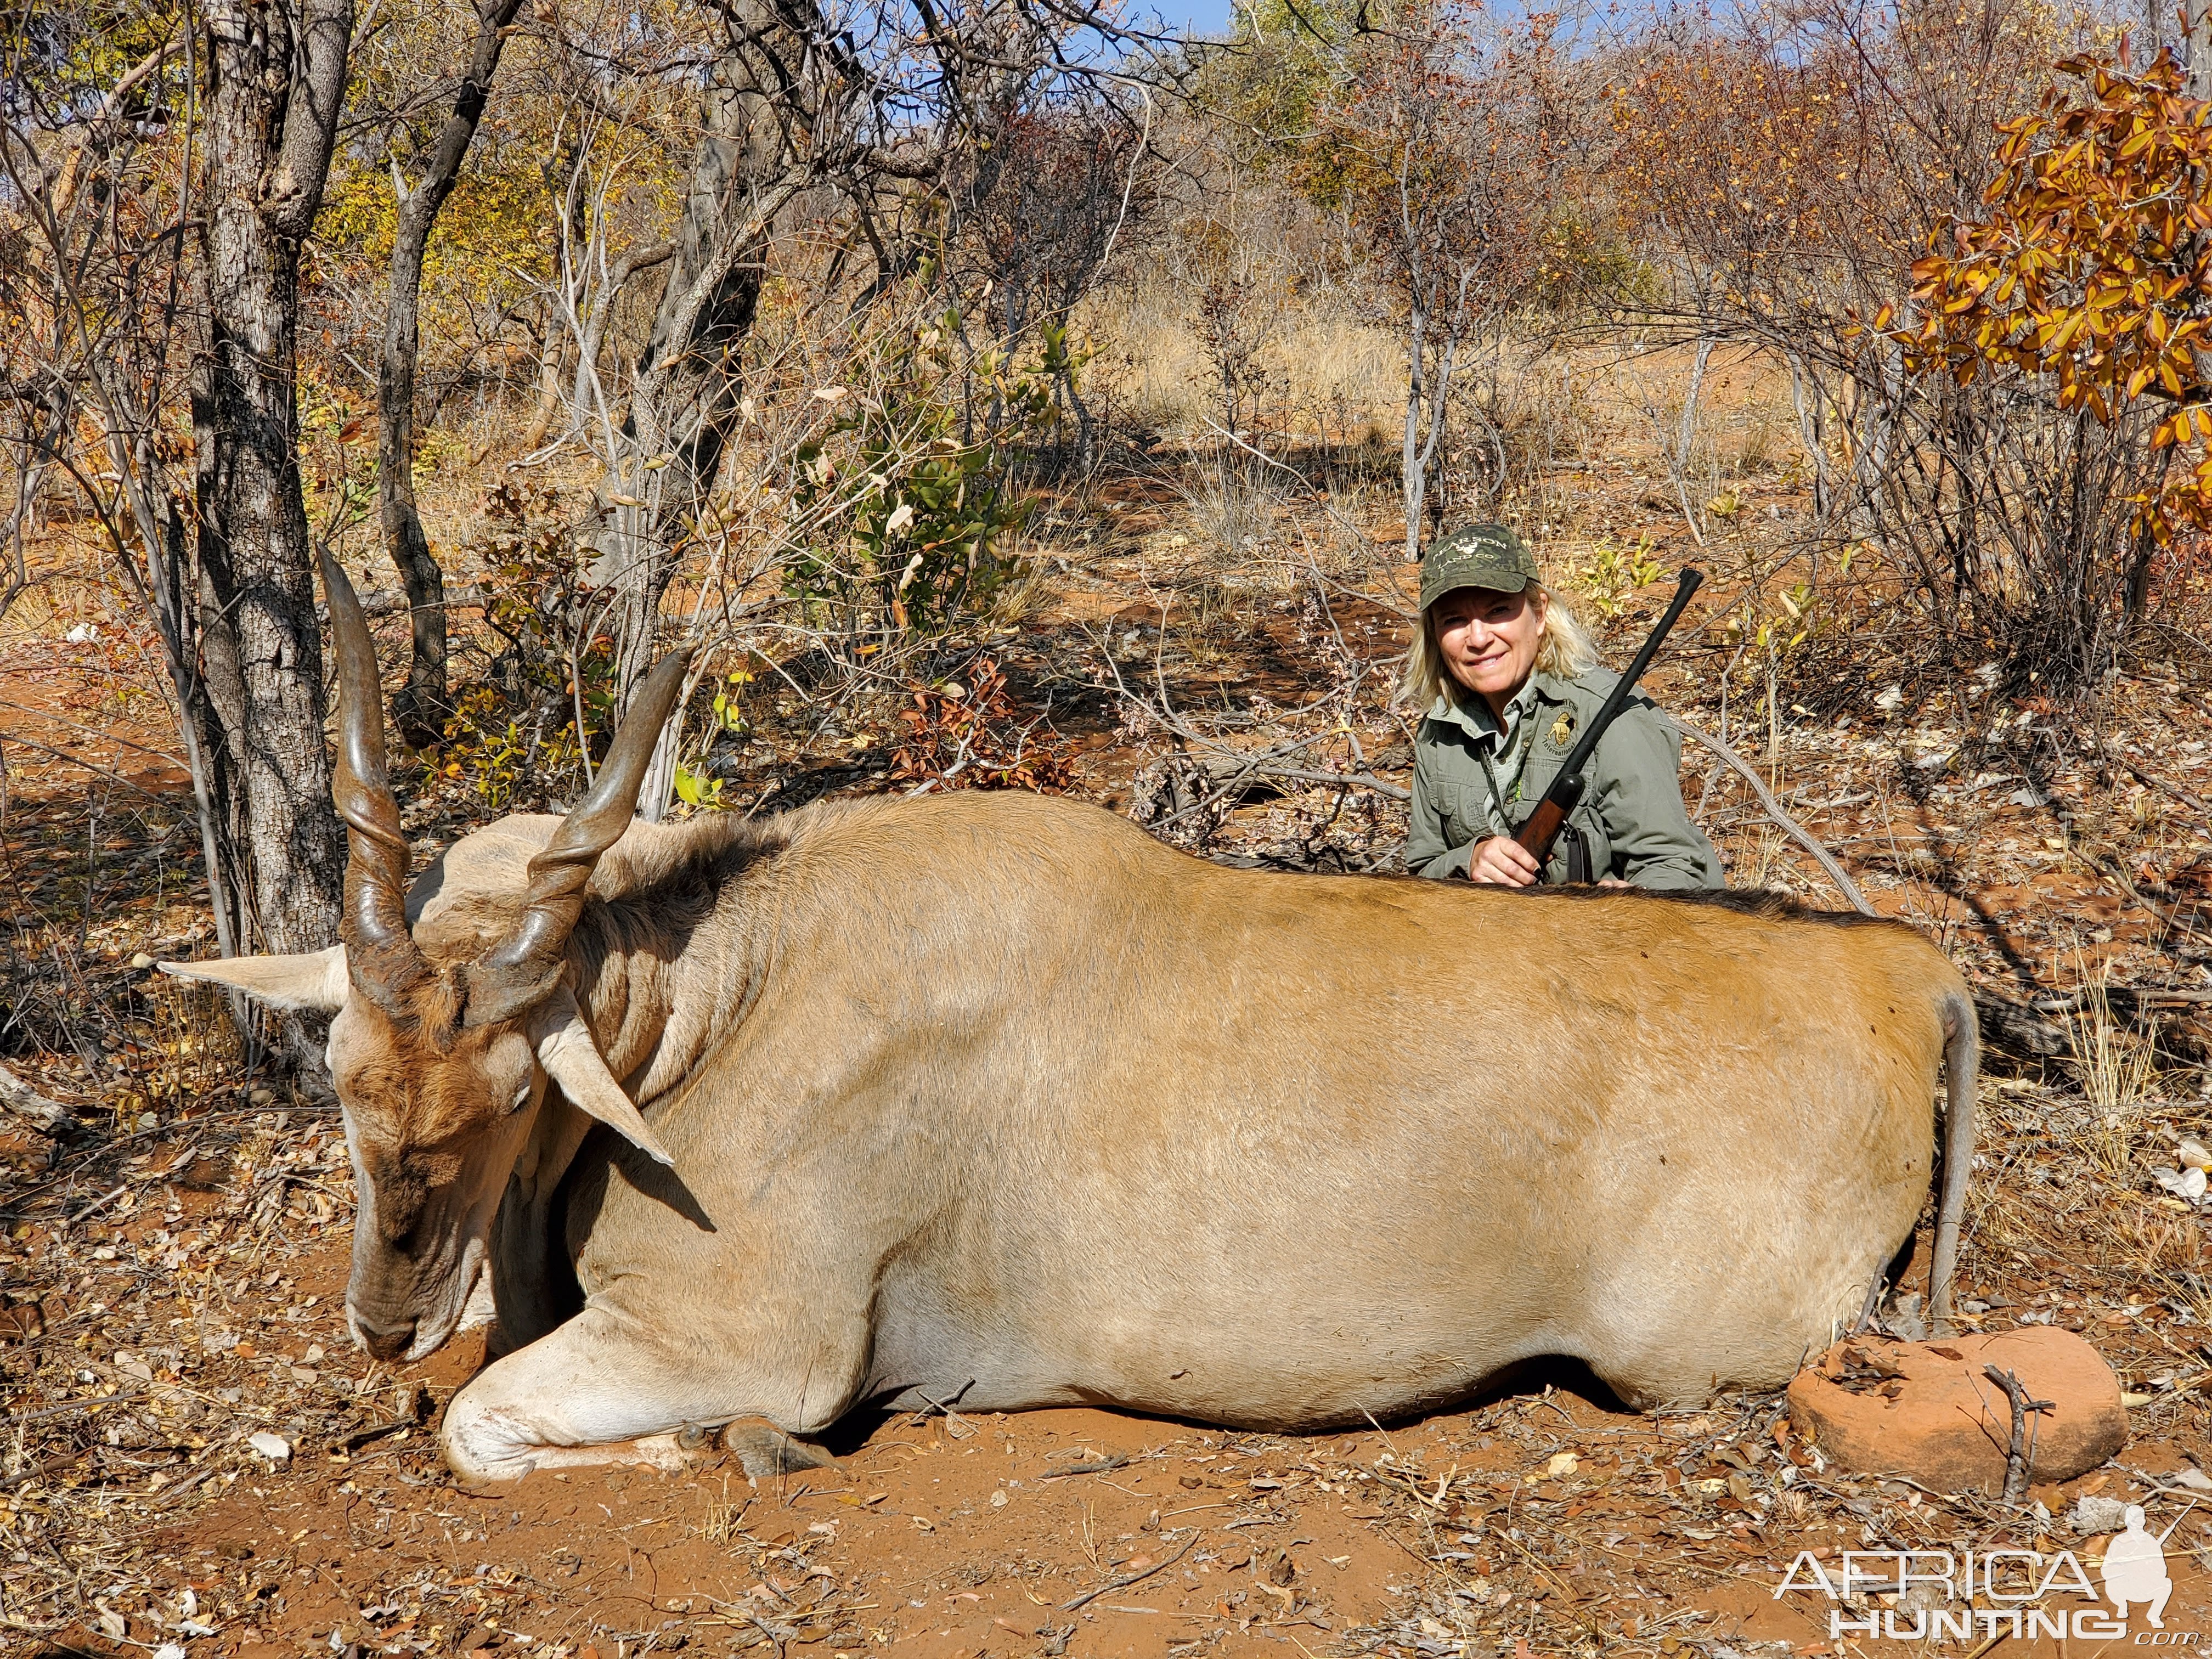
1502, 861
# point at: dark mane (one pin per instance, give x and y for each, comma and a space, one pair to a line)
1762, 903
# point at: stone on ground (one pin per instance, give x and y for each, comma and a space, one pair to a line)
1926, 1410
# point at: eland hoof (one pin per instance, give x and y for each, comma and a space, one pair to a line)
763, 1449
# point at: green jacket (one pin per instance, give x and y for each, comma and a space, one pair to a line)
1632, 818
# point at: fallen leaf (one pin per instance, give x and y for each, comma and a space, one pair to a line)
2188, 1183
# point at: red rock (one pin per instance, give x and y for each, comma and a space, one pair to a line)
1925, 1410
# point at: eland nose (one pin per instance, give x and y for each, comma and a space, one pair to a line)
382, 1341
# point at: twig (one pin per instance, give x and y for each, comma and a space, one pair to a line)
2195, 802
388, 603
96, 1203
94, 732
79, 760
2061, 1004
1127, 1579
1797, 832
359, 1437
1084, 1468
68, 1406
2020, 1453
48, 1467
944, 1407
1341, 780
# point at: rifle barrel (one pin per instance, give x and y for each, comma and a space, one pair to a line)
1543, 825
1625, 687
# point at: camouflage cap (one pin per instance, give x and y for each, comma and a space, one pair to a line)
1478, 556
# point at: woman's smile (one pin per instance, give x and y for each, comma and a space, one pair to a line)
1489, 640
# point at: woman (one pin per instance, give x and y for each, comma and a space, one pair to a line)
1508, 677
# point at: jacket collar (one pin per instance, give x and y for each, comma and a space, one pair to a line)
1474, 716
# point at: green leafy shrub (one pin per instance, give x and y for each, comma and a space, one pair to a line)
908, 502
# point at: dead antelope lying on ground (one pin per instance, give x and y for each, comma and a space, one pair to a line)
996, 1099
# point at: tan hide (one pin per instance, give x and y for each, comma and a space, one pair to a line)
994, 1098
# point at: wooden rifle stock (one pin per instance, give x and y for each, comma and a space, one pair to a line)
1542, 829
1544, 826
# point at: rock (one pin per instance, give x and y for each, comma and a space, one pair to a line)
1925, 1410
274, 1447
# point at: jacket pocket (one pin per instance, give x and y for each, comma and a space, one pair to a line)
1450, 813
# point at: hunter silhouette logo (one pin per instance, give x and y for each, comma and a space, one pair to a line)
2134, 1569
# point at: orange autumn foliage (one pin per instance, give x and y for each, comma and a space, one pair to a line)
2092, 269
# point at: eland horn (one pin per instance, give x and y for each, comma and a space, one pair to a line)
524, 966
380, 956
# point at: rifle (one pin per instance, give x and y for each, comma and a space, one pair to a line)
1544, 824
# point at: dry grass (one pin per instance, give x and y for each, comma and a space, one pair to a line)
2114, 1068
1343, 381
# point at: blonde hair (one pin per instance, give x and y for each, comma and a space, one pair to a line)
1567, 651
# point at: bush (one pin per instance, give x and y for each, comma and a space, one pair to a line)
906, 506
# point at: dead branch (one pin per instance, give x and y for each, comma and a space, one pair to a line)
2021, 1451
1129, 1578
2195, 804
1795, 830
21, 1099
79, 760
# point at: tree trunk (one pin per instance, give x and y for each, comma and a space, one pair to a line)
1414, 473
276, 79
420, 708
1686, 440
2197, 50
684, 407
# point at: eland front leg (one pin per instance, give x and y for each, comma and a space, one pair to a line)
600, 1390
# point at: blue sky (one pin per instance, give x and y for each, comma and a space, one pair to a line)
1206, 16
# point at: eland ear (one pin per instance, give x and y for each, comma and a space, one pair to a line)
572, 1058
315, 983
